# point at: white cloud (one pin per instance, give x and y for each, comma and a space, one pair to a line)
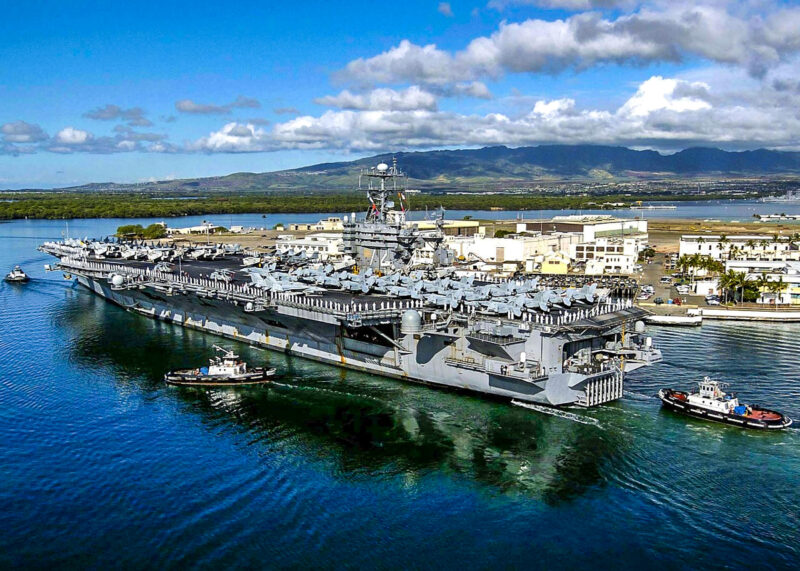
658, 93
670, 32
663, 113
476, 89
383, 99
72, 136
134, 116
445, 9
406, 62
241, 102
554, 108
233, 138
22, 132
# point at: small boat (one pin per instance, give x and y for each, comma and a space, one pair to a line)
223, 370
17, 275
711, 403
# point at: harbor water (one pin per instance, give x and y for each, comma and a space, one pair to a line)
104, 465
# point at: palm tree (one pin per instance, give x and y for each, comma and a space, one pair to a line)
723, 242
763, 283
776, 288
683, 263
727, 282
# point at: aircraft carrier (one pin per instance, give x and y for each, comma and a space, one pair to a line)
394, 304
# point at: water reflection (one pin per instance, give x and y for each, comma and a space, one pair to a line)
362, 425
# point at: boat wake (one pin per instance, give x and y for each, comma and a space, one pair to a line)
559, 413
639, 396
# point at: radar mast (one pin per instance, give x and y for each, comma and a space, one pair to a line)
382, 183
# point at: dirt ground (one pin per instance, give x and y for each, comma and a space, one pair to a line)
665, 233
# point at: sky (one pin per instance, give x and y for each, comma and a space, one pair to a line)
140, 91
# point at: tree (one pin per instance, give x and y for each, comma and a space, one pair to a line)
763, 283
776, 288
154, 232
648, 252
723, 245
727, 282
130, 231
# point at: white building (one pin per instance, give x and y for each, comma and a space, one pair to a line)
330, 224
592, 226
327, 246
511, 253
742, 246
606, 255
204, 228
785, 272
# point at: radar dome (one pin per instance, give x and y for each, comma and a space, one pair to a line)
411, 322
639, 327
383, 167
117, 280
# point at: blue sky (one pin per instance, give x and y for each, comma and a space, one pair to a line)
136, 91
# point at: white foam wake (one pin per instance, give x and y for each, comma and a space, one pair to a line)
559, 413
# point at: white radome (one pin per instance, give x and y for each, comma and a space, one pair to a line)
383, 167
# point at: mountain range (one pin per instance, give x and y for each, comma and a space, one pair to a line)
493, 167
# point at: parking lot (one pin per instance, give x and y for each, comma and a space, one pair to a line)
651, 275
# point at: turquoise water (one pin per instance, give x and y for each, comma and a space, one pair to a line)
103, 465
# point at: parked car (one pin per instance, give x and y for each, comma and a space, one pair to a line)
712, 302
658, 301
677, 301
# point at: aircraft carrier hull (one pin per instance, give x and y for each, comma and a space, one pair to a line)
433, 358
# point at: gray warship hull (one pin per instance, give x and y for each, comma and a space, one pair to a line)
401, 310
524, 360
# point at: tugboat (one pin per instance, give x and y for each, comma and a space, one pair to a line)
224, 370
711, 403
17, 275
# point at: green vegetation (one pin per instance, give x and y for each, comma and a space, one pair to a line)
690, 264
502, 233
152, 232
647, 254
60, 205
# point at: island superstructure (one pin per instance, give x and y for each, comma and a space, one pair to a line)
396, 305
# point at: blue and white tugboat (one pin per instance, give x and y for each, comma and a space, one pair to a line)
224, 370
711, 403
16, 275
